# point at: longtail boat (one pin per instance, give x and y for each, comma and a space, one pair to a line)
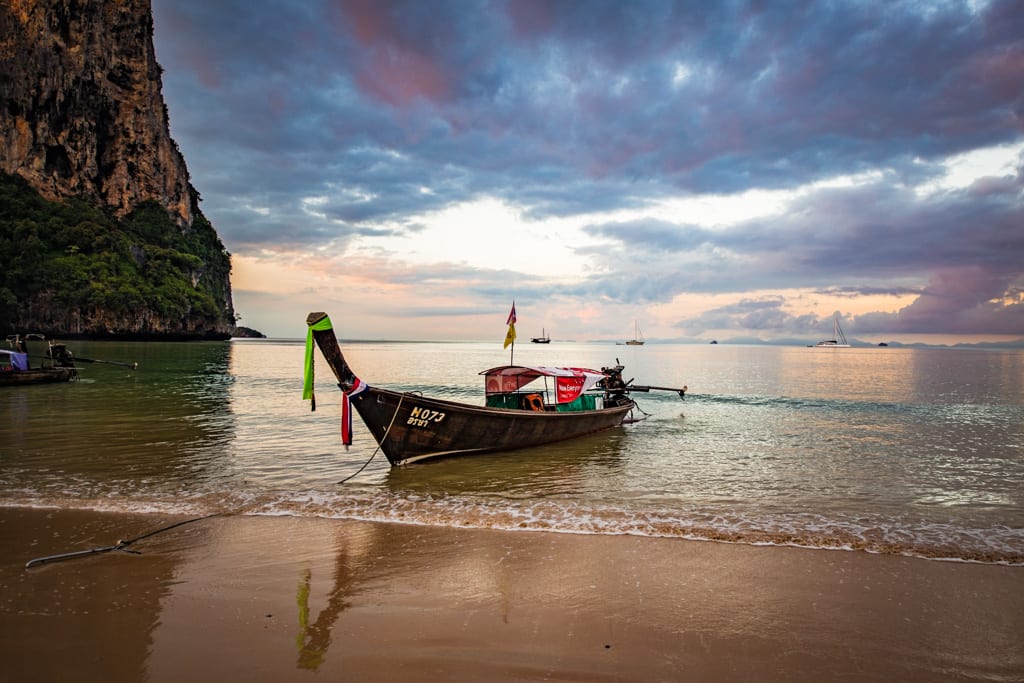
56, 364
409, 427
16, 369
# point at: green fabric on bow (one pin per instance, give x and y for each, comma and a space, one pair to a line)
307, 381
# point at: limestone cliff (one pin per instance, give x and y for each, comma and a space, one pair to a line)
82, 115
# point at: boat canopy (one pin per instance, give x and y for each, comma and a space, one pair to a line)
569, 382
18, 360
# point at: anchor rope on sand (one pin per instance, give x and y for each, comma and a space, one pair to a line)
121, 545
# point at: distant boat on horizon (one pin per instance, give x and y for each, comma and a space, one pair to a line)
543, 338
638, 337
838, 340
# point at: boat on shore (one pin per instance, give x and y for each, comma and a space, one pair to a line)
838, 340
16, 369
409, 427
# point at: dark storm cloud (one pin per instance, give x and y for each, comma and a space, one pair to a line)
878, 228
304, 123
755, 315
973, 244
956, 301
766, 96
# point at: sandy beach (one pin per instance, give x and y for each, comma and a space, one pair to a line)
278, 599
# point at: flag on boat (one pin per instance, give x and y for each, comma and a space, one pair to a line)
510, 336
358, 387
346, 421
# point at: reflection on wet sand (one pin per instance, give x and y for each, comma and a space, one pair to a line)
381, 602
314, 638
88, 619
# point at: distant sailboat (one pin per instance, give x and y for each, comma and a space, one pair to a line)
838, 340
543, 338
638, 337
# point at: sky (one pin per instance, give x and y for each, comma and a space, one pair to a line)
706, 170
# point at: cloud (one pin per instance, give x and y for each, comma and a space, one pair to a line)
969, 300
344, 126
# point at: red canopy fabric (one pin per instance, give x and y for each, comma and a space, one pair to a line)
569, 382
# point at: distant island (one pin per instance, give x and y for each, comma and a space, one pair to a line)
247, 333
854, 343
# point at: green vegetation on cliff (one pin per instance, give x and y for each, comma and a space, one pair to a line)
72, 270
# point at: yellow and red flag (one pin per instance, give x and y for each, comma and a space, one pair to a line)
510, 336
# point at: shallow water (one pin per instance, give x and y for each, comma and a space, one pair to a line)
908, 451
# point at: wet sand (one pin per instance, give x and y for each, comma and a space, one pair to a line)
282, 599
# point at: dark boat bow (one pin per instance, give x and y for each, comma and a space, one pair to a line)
322, 332
409, 427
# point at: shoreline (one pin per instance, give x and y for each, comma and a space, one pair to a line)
278, 598
425, 515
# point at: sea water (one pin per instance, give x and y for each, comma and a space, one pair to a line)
890, 450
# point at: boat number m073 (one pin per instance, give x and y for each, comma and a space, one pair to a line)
422, 417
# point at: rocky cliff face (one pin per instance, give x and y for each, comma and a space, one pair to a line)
82, 116
82, 111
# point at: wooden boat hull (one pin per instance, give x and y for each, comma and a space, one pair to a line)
409, 427
37, 376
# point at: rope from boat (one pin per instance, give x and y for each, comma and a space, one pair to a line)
386, 432
637, 406
121, 545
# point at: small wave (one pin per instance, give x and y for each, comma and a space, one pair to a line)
998, 545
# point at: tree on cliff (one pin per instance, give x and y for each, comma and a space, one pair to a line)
73, 270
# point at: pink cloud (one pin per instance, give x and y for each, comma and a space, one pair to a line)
530, 17
968, 300
399, 78
992, 185
389, 67
1002, 73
